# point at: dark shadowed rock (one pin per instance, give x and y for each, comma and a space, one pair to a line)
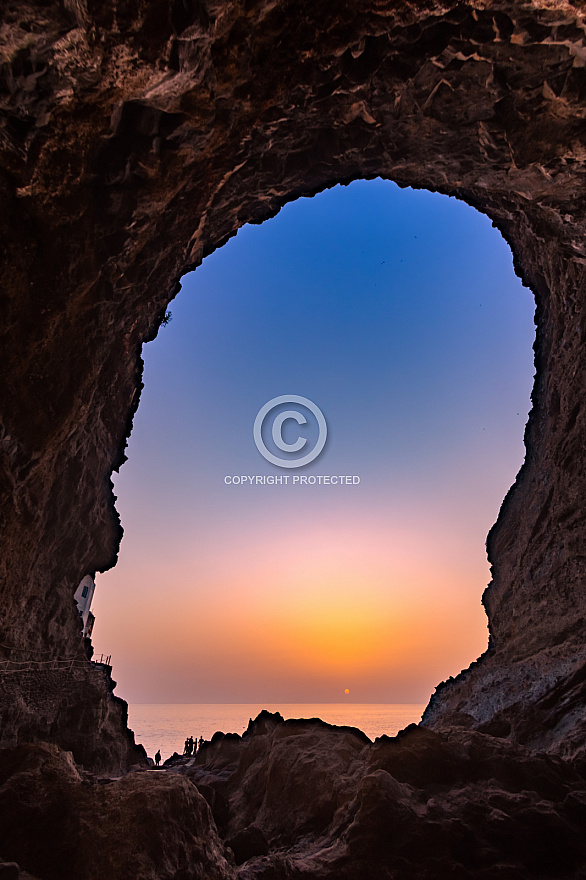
248, 843
135, 138
217, 803
303, 800
424, 804
60, 824
175, 760
75, 705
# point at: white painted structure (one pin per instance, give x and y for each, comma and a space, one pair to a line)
83, 596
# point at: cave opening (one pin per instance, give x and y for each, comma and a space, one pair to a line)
136, 141
398, 311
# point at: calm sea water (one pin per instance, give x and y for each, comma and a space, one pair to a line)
165, 726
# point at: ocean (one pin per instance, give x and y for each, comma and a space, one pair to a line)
166, 726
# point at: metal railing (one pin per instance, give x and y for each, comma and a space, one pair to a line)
60, 663
102, 660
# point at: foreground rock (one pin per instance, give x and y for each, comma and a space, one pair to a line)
59, 823
303, 799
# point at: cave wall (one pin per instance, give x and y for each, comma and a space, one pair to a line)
73, 704
138, 136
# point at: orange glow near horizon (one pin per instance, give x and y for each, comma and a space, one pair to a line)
357, 604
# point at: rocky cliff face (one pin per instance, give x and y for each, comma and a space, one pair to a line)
72, 704
137, 137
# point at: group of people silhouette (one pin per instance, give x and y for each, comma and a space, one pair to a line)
191, 745
190, 748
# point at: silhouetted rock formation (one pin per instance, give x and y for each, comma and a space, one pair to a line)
303, 800
59, 822
135, 139
309, 800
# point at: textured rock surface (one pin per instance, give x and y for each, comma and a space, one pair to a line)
72, 704
136, 137
301, 800
59, 823
304, 800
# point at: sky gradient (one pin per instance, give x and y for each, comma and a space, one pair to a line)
398, 313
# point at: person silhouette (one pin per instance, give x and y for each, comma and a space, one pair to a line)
158, 758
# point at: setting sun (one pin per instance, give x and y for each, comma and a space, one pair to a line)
347, 691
